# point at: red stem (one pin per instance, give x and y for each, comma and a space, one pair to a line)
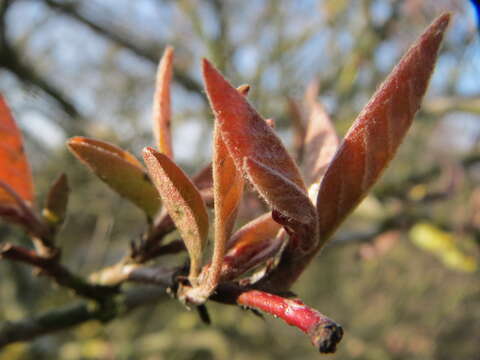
324, 333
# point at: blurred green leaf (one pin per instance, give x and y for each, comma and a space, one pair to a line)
442, 244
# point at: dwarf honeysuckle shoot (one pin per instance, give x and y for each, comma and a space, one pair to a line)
307, 202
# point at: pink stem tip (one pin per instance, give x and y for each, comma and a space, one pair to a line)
324, 333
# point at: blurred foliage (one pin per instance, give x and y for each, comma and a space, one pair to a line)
443, 245
399, 302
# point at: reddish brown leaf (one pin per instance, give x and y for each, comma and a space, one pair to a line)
244, 131
118, 169
260, 228
251, 245
281, 193
161, 104
228, 189
15, 170
321, 143
184, 204
204, 178
376, 134
298, 126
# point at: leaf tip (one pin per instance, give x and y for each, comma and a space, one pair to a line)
244, 89
211, 76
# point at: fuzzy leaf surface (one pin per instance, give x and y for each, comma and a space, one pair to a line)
183, 203
118, 169
321, 143
279, 192
228, 190
252, 244
244, 131
162, 104
378, 131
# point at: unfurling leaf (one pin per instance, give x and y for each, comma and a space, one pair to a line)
244, 131
251, 245
204, 178
292, 208
227, 192
57, 200
298, 127
118, 169
376, 134
280, 193
161, 104
15, 170
183, 203
257, 230
321, 143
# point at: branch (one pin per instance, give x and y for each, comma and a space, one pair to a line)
25, 72
56, 320
62, 276
323, 332
115, 35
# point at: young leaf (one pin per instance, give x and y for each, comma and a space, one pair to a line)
57, 199
244, 131
376, 134
118, 169
15, 170
204, 178
251, 245
281, 194
184, 204
161, 104
257, 230
365, 151
298, 127
125, 155
228, 189
321, 143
